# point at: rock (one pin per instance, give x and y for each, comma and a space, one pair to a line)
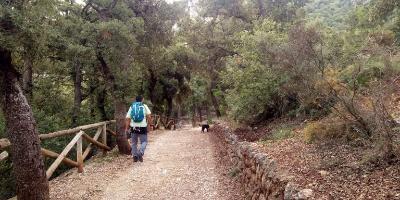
362, 196
305, 194
323, 173
291, 191
255, 196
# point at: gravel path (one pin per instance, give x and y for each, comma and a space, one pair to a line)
177, 165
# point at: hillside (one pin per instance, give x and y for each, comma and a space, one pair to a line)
333, 13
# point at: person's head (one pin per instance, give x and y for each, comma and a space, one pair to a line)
139, 98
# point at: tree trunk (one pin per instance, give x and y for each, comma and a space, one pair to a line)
101, 103
92, 107
194, 116
27, 83
215, 103
28, 167
200, 113
170, 107
77, 76
178, 112
208, 112
152, 86
119, 106
119, 115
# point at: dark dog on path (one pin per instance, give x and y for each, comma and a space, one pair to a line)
204, 127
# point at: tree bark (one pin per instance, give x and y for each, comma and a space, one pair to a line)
152, 85
120, 114
27, 80
178, 112
208, 112
170, 106
193, 116
101, 104
77, 76
215, 103
200, 113
29, 170
119, 106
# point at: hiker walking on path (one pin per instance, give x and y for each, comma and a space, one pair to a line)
136, 124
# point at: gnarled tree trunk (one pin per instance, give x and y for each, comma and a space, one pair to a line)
170, 106
119, 106
77, 76
199, 109
29, 170
27, 78
101, 103
193, 115
215, 103
208, 112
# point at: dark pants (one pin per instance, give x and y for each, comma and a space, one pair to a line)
138, 133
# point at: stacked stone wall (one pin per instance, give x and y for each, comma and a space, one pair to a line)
258, 173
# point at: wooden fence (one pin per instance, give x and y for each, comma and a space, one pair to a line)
77, 140
80, 135
166, 122
4, 143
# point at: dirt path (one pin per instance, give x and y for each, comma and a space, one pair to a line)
177, 165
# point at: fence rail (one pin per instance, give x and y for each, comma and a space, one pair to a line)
4, 143
166, 122
77, 141
81, 154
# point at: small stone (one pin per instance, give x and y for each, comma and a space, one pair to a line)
305, 194
323, 173
362, 196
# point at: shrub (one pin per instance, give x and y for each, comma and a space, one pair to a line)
329, 129
280, 133
253, 94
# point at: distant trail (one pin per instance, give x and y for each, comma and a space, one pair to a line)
177, 165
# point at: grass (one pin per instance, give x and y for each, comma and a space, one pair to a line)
280, 133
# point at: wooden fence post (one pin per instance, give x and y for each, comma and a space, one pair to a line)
104, 137
79, 156
3, 155
63, 154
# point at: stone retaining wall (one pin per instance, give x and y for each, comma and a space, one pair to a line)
258, 173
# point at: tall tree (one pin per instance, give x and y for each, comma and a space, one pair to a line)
114, 42
29, 170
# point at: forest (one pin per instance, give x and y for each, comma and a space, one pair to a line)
332, 63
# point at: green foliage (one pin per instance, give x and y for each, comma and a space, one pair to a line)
252, 90
253, 59
328, 130
280, 133
7, 182
251, 83
333, 13
198, 87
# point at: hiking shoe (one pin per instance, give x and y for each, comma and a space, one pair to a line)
140, 157
135, 159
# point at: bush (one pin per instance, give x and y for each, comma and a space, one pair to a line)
329, 129
281, 133
254, 92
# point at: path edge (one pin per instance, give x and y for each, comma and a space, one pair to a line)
259, 174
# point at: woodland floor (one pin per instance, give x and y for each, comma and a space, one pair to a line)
178, 164
331, 170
